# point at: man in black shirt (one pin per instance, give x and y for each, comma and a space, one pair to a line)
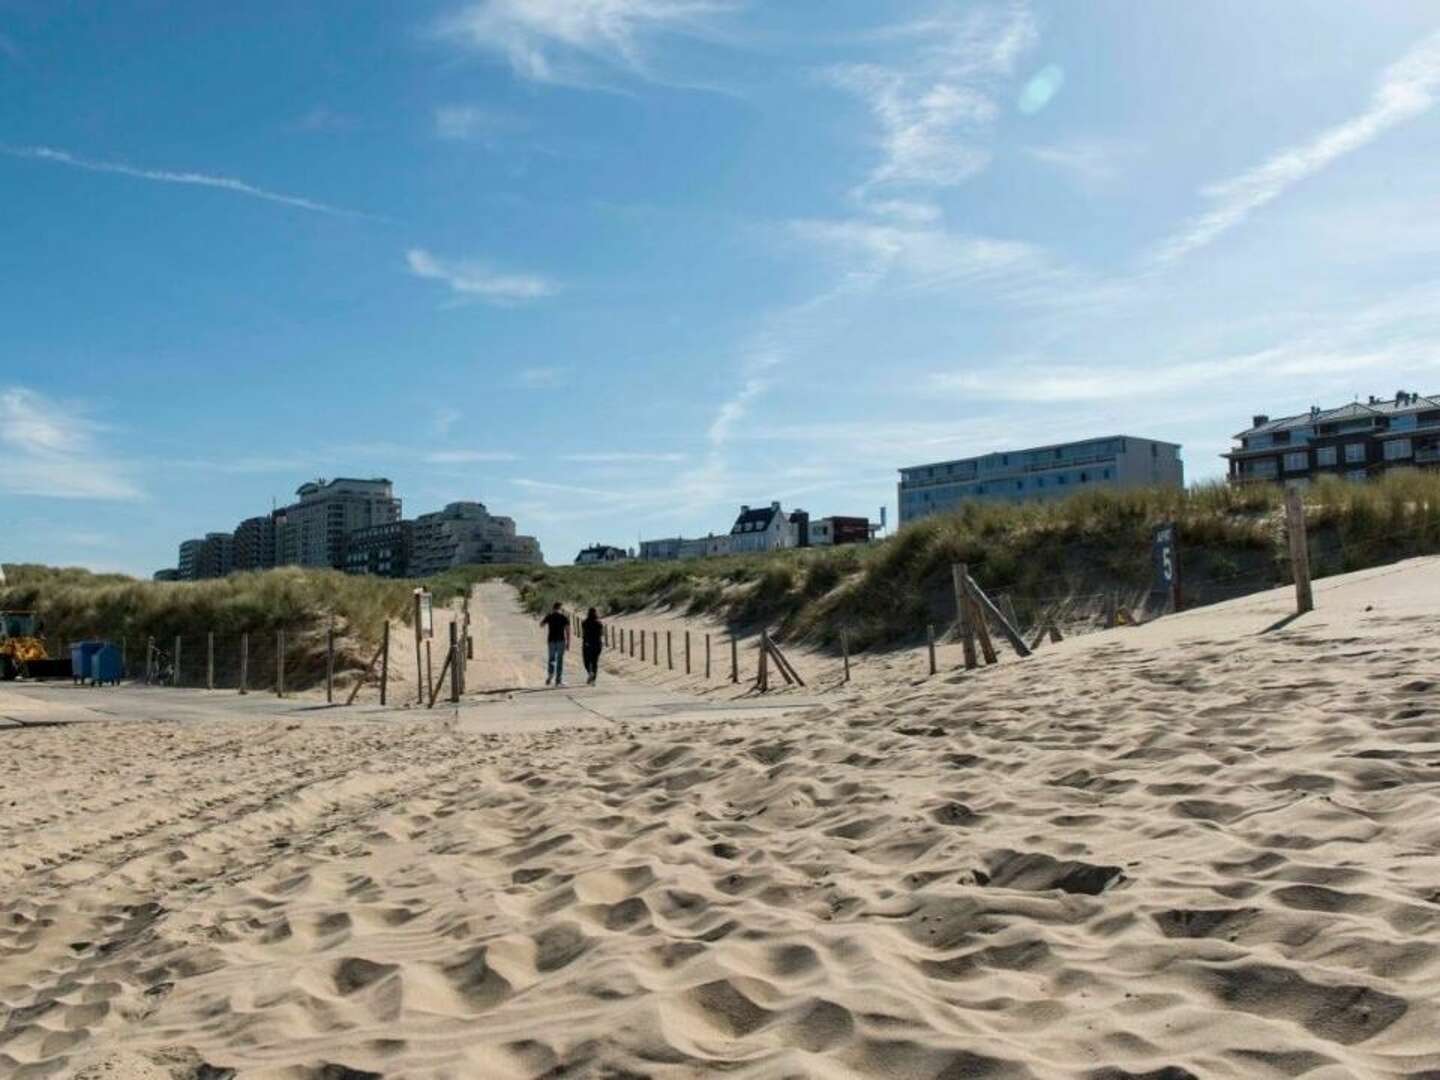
592, 637
557, 640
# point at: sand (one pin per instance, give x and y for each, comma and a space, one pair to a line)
1195, 848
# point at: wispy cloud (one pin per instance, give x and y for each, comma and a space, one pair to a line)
468, 457
1407, 89
563, 41
51, 450
1093, 163
465, 123
478, 280
934, 110
166, 176
622, 458
324, 118
541, 378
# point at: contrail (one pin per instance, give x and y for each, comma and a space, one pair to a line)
165, 176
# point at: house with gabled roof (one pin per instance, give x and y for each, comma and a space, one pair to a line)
1355, 441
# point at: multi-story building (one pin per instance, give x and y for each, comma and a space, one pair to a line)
168, 574
601, 553
661, 550
255, 543
384, 550
1042, 472
1354, 441
312, 531
189, 561
465, 533
216, 556
830, 531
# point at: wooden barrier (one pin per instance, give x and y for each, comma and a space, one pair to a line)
707, 657
175, 667
1299, 550
734, 660
959, 573
330, 664
687, 652
244, 662
930, 645
845, 652
210, 660
669, 651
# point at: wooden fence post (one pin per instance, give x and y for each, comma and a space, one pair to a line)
642, 646
687, 652
1111, 615
330, 664
845, 652
210, 660
244, 662
1007, 608
959, 574
1007, 628
707, 657
762, 675
279, 663
1299, 550
384, 661
930, 644
669, 650
734, 660
175, 664
455, 665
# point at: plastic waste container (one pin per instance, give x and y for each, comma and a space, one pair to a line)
81, 653
105, 665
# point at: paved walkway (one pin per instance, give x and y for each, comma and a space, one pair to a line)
506, 691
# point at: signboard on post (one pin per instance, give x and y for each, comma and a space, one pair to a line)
424, 614
1165, 554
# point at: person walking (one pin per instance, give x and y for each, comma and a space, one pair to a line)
557, 641
592, 638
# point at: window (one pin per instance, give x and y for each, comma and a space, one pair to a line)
1325, 455
1355, 452
1107, 474
1355, 474
1084, 477
1396, 449
1297, 462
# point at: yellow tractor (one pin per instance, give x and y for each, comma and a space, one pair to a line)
22, 649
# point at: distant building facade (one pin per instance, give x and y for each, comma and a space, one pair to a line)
763, 529
831, 531
254, 544
757, 529
601, 553
312, 531
168, 574
661, 550
1042, 472
188, 565
466, 533
1355, 441
383, 550
216, 556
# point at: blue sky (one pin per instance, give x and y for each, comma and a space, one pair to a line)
617, 266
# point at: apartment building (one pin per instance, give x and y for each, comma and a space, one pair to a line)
216, 556
385, 550
465, 533
312, 530
188, 564
1355, 441
255, 543
1041, 472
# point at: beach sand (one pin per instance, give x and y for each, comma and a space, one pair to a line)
1205, 847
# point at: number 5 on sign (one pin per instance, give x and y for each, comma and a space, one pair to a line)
1166, 555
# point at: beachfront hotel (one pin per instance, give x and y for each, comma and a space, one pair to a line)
1041, 472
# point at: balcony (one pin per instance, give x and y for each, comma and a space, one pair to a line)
1427, 455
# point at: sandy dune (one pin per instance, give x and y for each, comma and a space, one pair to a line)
1190, 849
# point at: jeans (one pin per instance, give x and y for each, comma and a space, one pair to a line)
556, 666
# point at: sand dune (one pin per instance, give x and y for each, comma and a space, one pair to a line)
1191, 849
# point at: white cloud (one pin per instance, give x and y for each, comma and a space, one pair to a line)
469, 278
165, 176
50, 449
622, 458
468, 457
463, 123
1406, 90
559, 41
324, 118
541, 378
1093, 163
445, 419
934, 111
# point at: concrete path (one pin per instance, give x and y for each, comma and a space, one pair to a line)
506, 691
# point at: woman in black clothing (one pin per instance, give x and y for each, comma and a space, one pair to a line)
592, 637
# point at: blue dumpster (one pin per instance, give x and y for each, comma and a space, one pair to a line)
81, 653
105, 665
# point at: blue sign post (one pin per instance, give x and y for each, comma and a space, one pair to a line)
1165, 553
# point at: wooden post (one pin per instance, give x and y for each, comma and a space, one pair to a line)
435, 690
364, 677
1007, 608
762, 675
384, 661
455, 667
687, 652
420, 676
669, 650
175, 667
655, 647
1007, 628
330, 664
982, 632
707, 657
1111, 618
429, 672
930, 644
734, 660
124, 657
149, 660
244, 662
210, 660
279, 663
845, 652
959, 574
1299, 550
642, 646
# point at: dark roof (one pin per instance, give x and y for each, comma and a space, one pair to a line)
754, 520
1355, 410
